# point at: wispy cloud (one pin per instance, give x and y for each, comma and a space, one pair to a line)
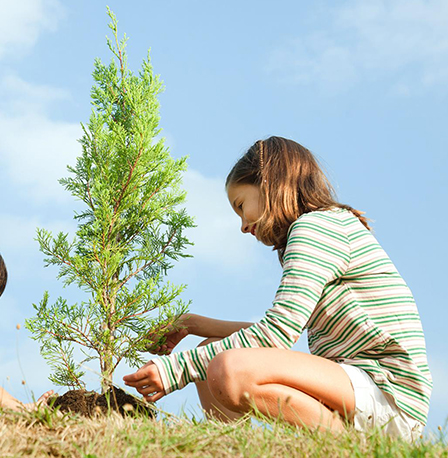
217, 237
402, 41
35, 152
21, 23
34, 148
20, 249
18, 97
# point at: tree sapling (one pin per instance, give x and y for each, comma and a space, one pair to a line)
128, 233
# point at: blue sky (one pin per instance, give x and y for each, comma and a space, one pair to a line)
363, 84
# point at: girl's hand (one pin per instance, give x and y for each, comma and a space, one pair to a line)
42, 401
172, 338
147, 382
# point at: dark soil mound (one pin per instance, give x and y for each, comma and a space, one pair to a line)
90, 403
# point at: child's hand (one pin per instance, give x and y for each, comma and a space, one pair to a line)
147, 382
172, 338
42, 401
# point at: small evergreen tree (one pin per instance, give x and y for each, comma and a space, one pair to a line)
127, 236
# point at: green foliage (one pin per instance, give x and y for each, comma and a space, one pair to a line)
128, 235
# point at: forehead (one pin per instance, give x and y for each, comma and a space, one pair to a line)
242, 191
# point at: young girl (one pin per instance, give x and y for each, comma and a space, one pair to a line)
6, 400
368, 358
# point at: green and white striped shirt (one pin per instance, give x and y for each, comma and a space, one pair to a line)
339, 284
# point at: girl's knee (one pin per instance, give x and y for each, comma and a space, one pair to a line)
227, 380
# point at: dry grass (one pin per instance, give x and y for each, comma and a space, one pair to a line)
47, 434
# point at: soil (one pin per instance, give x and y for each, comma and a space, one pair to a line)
90, 403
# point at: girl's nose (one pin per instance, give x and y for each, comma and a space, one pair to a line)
244, 227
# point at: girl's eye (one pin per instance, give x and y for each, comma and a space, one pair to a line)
240, 207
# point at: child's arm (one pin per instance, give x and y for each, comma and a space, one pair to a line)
196, 325
10, 402
203, 326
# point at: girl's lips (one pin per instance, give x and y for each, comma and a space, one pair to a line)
252, 231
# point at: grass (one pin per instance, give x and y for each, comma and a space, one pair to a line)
45, 433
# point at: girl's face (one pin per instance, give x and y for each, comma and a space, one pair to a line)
245, 200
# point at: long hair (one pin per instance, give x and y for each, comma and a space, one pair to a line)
291, 183
3, 275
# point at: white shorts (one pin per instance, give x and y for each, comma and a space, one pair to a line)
375, 408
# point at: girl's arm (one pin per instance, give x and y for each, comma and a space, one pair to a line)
197, 325
209, 327
10, 402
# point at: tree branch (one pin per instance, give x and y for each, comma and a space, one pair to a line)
136, 272
78, 331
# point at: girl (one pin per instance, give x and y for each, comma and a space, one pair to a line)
368, 358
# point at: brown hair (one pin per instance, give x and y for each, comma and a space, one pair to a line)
3, 275
291, 184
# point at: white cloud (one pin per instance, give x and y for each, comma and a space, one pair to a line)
217, 237
35, 152
34, 149
22, 21
19, 96
21, 252
18, 232
369, 41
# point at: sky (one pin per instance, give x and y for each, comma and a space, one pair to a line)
362, 84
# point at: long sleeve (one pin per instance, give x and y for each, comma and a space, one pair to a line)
317, 253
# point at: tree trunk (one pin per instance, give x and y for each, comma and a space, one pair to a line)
107, 371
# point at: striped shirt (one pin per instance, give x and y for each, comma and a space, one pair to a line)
339, 284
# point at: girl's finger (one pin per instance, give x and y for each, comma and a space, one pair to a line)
138, 376
43, 399
155, 397
131, 378
139, 383
147, 390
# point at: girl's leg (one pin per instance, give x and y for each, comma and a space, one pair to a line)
211, 406
303, 389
